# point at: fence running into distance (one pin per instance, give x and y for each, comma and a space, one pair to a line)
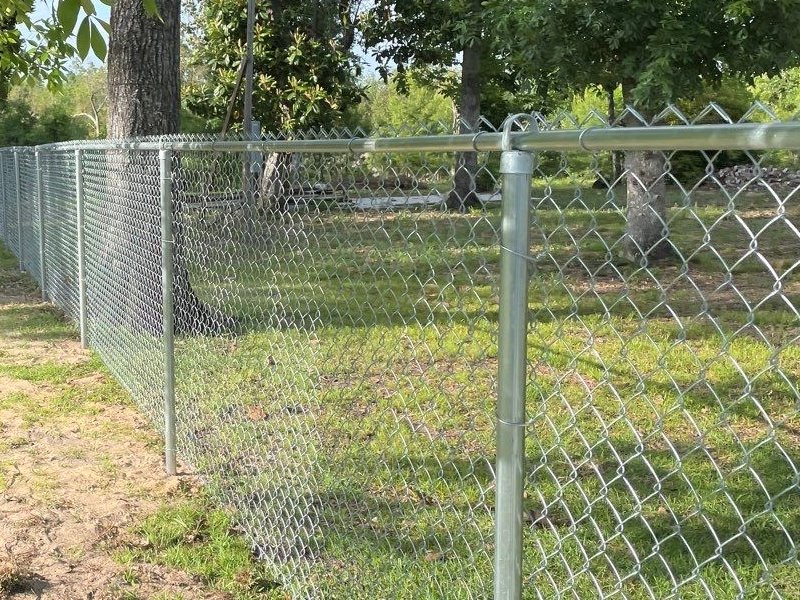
399, 401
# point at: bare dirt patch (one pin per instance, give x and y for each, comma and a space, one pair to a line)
72, 482
32, 352
9, 386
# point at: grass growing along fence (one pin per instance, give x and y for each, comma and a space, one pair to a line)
367, 360
348, 417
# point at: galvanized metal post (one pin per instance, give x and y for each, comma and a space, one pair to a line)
247, 112
40, 199
19, 211
168, 315
81, 247
516, 168
3, 200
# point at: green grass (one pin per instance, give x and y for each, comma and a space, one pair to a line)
51, 372
349, 425
350, 422
199, 539
191, 536
37, 323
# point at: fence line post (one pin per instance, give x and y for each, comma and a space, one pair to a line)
81, 246
517, 168
40, 198
167, 276
3, 200
19, 210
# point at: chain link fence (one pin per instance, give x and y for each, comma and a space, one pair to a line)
335, 339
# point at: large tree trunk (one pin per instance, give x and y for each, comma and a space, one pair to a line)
646, 234
144, 70
464, 194
144, 99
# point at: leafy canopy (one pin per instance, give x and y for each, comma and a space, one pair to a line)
423, 40
304, 71
72, 29
781, 92
419, 32
657, 50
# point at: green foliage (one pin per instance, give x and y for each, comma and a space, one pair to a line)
45, 54
421, 41
658, 51
732, 94
67, 14
20, 126
88, 35
418, 109
85, 92
191, 123
781, 92
38, 115
585, 108
411, 109
734, 97
304, 70
417, 32
588, 107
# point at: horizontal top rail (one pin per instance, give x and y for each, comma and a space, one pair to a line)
744, 136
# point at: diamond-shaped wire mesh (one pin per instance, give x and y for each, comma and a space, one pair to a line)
10, 208
663, 402
60, 229
337, 428
122, 220
336, 354
29, 212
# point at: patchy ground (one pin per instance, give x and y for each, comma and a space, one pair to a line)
80, 468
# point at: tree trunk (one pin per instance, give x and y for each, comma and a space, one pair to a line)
463, 195
144, 99
144, 70
646, 233
278, 182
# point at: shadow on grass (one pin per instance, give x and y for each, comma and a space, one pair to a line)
361, 270
662, 455
659, 525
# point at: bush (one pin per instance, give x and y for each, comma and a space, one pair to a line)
19, 126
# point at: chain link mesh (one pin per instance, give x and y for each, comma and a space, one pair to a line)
11, 209
29, 213
60, 229
122, 222
336, 356
663, 399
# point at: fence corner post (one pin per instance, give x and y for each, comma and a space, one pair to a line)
40, 200
19, 211
79, 210
516, 168
168, 315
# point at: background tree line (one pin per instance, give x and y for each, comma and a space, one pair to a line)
489, 58
309, 74
35, 114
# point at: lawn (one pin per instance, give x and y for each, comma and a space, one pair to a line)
82, 482
349, 421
